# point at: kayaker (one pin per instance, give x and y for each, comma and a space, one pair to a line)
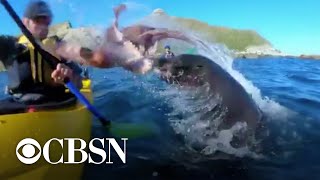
30, 79
168, 54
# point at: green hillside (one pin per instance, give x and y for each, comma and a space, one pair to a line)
233, 38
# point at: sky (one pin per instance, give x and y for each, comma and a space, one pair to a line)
290, 26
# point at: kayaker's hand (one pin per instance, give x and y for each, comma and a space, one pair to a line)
62, 71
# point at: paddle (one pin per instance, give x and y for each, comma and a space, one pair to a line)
117, 129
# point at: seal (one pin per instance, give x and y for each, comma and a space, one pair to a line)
188, 70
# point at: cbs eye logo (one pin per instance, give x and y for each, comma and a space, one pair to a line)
28, 151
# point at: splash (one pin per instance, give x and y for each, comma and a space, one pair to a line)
221, 55
196, 115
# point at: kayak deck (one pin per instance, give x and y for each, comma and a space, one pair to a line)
71, 122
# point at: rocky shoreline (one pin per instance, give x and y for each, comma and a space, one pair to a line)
314, 57
257, 52
260, 56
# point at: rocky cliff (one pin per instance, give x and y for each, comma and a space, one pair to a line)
243, 43
89, 37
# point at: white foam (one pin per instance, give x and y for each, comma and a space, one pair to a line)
220, 55
187, 111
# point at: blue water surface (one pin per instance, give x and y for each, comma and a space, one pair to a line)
293, 83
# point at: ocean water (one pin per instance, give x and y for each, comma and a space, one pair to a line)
289, 87
289, 94
286, 90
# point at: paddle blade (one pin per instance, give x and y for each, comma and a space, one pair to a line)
132, 130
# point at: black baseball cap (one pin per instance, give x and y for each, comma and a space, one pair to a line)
36, 8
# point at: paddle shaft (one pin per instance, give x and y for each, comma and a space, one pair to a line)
53, 62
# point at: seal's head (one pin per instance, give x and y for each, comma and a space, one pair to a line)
185, 69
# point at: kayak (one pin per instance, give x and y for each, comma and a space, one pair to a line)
42, 125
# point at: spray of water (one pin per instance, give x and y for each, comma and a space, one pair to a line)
192, 114
220, 55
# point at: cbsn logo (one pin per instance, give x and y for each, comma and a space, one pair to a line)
28, 150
